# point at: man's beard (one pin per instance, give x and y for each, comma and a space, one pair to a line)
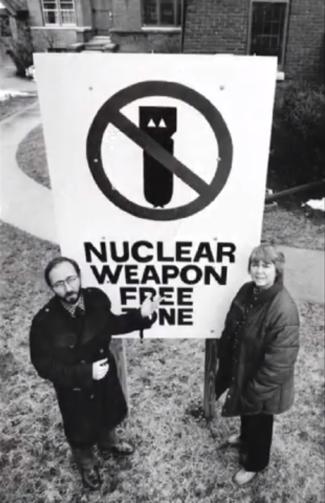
72, 297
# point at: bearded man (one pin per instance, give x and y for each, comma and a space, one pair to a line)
69, 346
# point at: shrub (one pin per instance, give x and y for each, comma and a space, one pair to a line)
20, 49
167, 45
297, 146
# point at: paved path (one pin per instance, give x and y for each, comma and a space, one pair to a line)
28, 205
9, 80
304, 273
24, 203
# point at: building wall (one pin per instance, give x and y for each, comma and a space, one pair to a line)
223, 26
211, 26
147, 41
50, 39
82, 7
130, 36
127, 15
306, 36
83, 13
35, 13
59, 37
216, 26
127, 31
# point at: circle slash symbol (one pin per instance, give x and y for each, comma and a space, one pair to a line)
110, 113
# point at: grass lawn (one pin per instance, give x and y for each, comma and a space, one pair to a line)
179, 457
15, 104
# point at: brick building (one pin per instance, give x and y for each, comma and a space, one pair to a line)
291, 29
294, 30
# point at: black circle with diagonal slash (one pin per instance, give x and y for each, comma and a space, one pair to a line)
110, 113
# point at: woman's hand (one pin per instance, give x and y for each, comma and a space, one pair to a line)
150, 306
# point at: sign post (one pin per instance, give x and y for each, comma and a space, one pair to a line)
210, 369
117, 348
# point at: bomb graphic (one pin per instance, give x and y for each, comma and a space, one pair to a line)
160, 124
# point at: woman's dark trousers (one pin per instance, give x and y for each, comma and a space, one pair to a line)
256, 438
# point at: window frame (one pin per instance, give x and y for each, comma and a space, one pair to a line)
59, 17
158, 25
281, 60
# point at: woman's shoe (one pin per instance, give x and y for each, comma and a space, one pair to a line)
120, 447
242, 477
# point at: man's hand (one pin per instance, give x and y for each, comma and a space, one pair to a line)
100, 369
150, 306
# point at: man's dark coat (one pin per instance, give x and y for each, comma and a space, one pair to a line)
257, 352
63, 349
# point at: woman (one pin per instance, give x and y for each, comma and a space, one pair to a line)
257, 352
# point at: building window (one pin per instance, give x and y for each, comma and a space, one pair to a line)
161, 12
59, 12
268, 26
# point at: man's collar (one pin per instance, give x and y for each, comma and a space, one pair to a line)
71, 308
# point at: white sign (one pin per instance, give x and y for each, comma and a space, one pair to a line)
158, 167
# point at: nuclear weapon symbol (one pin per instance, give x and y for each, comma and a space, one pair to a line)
160, 124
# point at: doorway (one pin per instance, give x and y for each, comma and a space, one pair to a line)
102, 16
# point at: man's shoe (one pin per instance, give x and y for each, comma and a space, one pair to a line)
90, 478
242, 477
234, 440
121, 447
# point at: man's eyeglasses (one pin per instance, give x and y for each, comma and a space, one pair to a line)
70, 280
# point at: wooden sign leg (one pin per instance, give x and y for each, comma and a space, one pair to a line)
117, 348
210, 368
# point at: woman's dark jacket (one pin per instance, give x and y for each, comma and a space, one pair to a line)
257, 352
63, 349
